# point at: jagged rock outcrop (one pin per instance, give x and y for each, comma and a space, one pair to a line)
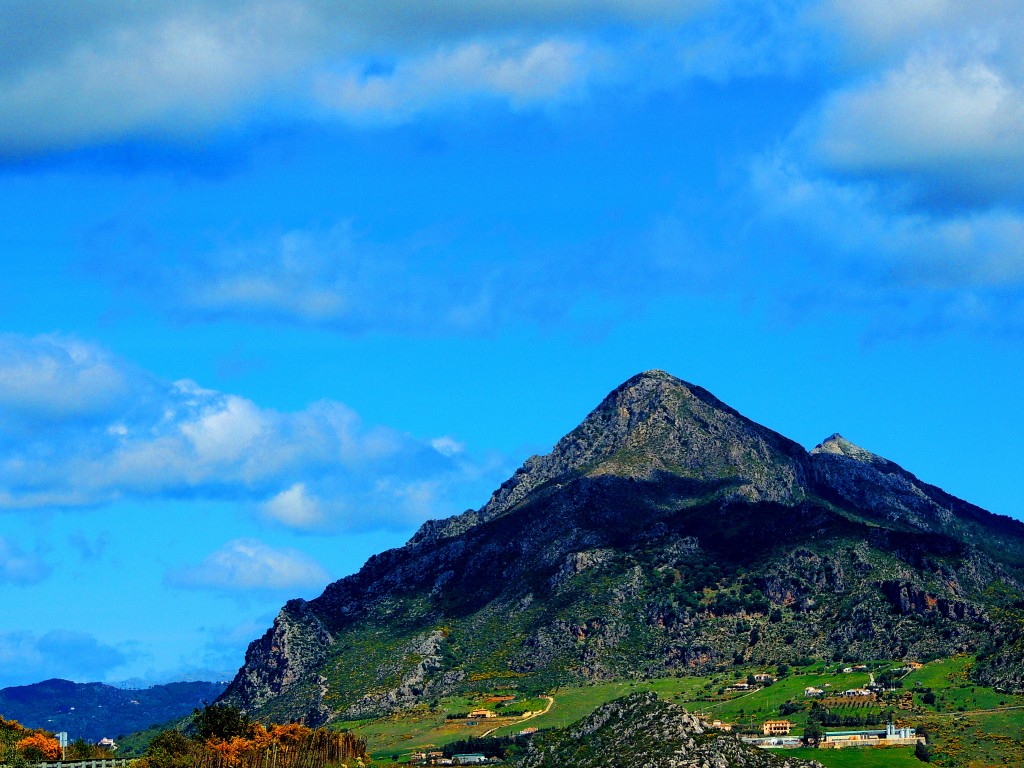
641, 731
286, 658
666, 534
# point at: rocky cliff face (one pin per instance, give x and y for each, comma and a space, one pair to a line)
639, 546
639, 730
286, 659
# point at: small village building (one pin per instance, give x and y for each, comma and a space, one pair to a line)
892, 735
812, 691
772, 742
483, 713
527, 731
107, 743
472, 758
857, 692
776, 727
764, 677
718, 725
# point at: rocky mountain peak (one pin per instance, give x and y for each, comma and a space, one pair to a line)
655, 424
652, 425
838, 445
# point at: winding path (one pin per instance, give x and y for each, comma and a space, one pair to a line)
532, 715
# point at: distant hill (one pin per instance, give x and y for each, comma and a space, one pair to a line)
94, 710
667, 534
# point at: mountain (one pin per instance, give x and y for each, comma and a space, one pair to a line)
92, 711
641, 730
666, 534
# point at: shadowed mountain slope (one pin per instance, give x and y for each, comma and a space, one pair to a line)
665, 534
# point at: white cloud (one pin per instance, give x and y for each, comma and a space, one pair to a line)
933, 117
247, 565
929, 96
447, 445
316, 468
56, 378
296, 508
102, 71
168, 71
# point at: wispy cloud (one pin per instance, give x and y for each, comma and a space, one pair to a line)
20, 567
856, 219
524, 75
904, 269
342, 279
248, 565
147, 438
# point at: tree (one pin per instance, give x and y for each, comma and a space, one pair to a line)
38, 746
169, 749
221, 721
812, 735
172, 742
79, 749
923, 752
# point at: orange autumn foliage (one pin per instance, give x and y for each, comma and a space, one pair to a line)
286, 746
39, 746
289, 733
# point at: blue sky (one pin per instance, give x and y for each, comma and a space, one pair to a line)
284, 278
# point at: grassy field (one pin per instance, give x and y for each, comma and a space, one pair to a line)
859, 757
941, 673
987, 738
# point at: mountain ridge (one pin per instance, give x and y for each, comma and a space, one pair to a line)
95, 710
636, 547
